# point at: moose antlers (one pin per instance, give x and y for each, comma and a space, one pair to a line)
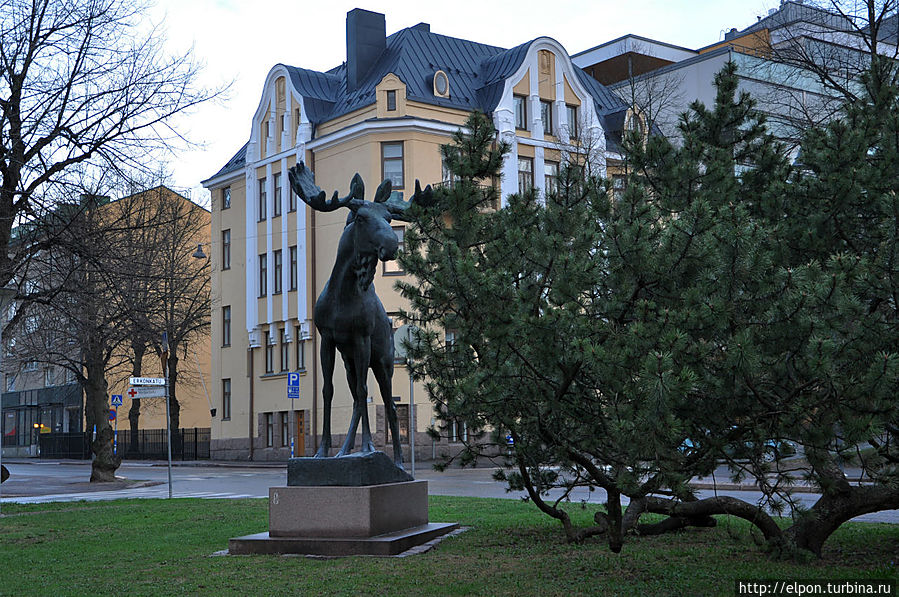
302, 181
398, 207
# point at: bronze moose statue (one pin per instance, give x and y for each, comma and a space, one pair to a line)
348, 314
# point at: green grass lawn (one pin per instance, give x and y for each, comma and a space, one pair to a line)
165, 547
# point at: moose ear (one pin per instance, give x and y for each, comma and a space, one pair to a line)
357, 188
383, 192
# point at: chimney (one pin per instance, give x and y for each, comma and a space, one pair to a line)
366, 38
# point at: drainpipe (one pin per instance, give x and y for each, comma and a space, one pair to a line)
312, 327
252, 414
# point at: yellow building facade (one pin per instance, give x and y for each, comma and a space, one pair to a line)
384, 114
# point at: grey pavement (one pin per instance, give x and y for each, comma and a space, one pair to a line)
36, 481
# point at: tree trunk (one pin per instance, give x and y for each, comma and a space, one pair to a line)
105, 462
697, 512
174, 406
616, 531
139, 349
836, 507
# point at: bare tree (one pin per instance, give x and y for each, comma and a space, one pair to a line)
816, 55
79, 329
836, 40
656, 98
121, 272
81, 83
172, 292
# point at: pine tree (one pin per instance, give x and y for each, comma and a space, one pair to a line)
718, 308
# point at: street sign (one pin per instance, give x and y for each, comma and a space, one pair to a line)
116, 400
146, 392
293, 386
112, 415
146, 381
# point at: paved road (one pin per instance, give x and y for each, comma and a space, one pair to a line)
36, 482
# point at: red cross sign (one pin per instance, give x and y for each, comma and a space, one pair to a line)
131, 393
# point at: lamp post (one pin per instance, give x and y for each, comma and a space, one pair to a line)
6, 297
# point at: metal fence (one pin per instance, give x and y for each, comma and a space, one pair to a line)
147, 444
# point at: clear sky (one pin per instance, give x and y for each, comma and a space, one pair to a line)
239, 41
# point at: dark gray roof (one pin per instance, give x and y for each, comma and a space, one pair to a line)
476, 72
237, 161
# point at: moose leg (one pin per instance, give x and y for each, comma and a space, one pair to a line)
327, 358
386, 387
349, 441
362, 358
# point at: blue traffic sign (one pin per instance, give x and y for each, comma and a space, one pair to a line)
116, 400
293, 386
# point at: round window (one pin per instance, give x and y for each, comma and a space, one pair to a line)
441, 83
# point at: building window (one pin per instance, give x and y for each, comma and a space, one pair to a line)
283, 122
293, 267
301, 351
226, 399
393, 267
619, 184
276, 195
521, 112
269, 430
262, 199
525, 174
278, 260
458, 431
269, 353
226, 249
226, 326
263, 274
285, 429
226, 198
572, 121
551, 176
402, 419
392, 163
391, 100
546, 115
446, 175
291, 199
285, 351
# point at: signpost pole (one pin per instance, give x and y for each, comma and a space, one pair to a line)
115, 437
411, 414
293, 393
168, 420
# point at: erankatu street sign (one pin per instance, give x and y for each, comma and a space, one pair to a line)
146, 381
146, 392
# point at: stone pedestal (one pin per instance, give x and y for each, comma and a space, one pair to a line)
342, 519
347, 511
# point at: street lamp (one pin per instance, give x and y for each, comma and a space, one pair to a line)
199, 254
6, 297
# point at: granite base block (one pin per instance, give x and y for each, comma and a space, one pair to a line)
347, 511
355, 470
388, 544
